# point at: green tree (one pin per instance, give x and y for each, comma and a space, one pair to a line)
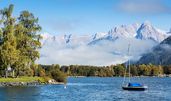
8, 51
41, 71
133, 70
119, 70
28, 38
19, 40
58, 76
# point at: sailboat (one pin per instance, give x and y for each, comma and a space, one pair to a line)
130, 85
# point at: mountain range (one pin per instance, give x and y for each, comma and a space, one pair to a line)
101, 48
160, 54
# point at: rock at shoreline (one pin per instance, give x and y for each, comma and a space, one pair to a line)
8, 84
34, 83
52, 81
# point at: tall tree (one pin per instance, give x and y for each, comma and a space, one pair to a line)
8, 51
28, 39
19, 40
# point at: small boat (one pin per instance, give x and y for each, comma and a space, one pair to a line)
132, 86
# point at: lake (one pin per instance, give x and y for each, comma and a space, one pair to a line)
91, 89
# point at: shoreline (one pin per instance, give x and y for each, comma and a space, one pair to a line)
35, 83
27, 81
119, 76
78, 76
20, 84
53, 82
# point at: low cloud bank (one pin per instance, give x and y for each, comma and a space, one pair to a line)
103, 53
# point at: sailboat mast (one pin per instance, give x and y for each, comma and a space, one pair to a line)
129, 60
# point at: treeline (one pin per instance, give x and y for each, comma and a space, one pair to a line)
116, 70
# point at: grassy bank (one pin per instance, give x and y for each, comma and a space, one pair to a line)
24, 79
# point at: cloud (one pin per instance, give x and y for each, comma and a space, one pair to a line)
103, 53
143, 7
84, 55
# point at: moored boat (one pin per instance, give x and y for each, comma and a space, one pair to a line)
132, 86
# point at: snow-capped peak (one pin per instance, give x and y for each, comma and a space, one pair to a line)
139, 31
124, 31
144, 31
98, 35
147, 31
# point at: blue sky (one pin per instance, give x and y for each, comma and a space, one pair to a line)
91, 16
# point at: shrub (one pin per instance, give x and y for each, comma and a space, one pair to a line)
26, 72
41, 72
58, 76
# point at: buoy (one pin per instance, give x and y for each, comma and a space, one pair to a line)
65, 87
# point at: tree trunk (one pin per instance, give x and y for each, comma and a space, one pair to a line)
13, 73
6, 73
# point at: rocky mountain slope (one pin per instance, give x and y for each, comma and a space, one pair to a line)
161, 54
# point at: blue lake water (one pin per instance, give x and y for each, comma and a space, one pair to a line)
91, 89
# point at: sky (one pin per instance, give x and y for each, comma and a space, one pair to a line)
92, 16
87, 17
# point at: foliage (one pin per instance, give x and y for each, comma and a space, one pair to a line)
26, 72
54, 72
58, 76
116, 70
19, 41
8, 52
19, 44
167, 69
81, 70
40, 72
